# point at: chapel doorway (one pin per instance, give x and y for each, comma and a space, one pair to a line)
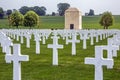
71, 26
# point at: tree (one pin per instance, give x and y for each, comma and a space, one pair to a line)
16, 19
53, 13
9, 12
91, 13
62, 7
31, 19
43, 8
106, 20
41, 11
24, 10
1, 13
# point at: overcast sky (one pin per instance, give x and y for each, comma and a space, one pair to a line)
98, 6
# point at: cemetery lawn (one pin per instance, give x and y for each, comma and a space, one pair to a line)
57, 22
39, 67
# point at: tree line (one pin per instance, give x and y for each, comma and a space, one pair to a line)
29, 16
31, 19
41, 11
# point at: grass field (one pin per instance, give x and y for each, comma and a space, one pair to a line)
70, 67
57, 22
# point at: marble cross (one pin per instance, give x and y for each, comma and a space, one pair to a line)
99, 61
116, 40
37, 39
92, 37
28, 37
112, 48
17, 38
84, 38
8, 43
16, 57
73, 41
21, 37
55, 47
44, 35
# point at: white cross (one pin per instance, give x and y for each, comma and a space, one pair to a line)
44, 35
8, 43
112, 48
16, 57
37, 39
92, 37
101, 36
73, 41
116, 40
28, 37
21, 37
17, 34
104, 35
55, 46
97, 37
84, 38
3, 41
99, 61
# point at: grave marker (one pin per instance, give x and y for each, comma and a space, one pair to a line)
16, 57
73, 41
37, 40
28, 37
99, 61
84, 37
55, 46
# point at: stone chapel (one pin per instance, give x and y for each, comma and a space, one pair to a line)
73, 19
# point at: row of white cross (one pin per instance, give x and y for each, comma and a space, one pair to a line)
99, 61
70, 36
16, 57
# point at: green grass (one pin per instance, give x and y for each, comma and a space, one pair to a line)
70, 67
39, 67
57, 22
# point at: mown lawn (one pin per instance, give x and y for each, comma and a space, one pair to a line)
70, 67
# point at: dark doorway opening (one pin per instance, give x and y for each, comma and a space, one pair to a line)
71, 26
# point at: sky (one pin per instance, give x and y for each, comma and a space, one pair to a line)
99, 6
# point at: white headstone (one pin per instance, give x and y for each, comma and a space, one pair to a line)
16, 58
99, 61
97, 37
8, 44
37, 39
55, 46
112, 48
92, 37
28, 37
21, 37
17, 38
84, 37
44, 35
73, 41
